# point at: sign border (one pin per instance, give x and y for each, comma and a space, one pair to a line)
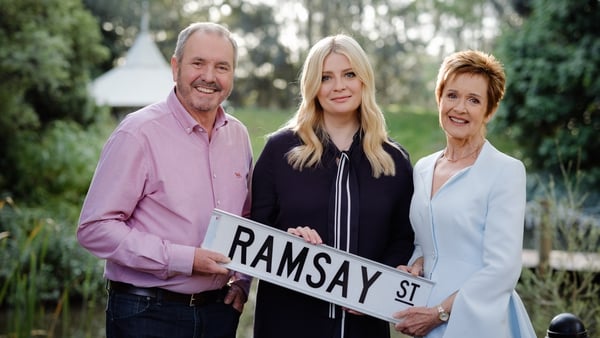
211, 233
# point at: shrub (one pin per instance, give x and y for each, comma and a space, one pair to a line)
547, 292
44, 266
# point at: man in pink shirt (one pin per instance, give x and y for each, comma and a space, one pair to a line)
160, 175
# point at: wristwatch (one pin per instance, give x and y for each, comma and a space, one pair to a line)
442, 314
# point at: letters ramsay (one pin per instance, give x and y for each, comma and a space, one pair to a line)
244, 239
317, 270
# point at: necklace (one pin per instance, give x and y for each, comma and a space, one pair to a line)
453, 160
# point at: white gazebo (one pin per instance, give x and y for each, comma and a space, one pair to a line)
144, 78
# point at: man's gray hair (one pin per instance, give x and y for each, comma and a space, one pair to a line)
208, 27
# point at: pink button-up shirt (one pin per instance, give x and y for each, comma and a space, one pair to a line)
157, 181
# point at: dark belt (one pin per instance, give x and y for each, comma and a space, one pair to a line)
196, 299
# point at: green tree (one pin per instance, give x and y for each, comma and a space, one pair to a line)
396, 36
266, 72
50, 136
48, 49
275, 39
552, 103
119, 22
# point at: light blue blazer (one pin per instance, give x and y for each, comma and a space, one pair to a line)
471, 236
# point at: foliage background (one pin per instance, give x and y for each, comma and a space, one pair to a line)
552, 106
51, 132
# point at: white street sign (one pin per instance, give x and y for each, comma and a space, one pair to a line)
317, 270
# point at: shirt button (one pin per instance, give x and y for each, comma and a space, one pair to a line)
214, 175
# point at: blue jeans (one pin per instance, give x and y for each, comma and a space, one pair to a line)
132, 316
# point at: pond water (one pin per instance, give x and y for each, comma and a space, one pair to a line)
75, 322
82, 322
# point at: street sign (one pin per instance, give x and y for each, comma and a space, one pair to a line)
320, 271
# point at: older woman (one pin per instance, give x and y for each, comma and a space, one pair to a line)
468, 213
331, 175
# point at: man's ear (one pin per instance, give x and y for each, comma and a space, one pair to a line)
174, 67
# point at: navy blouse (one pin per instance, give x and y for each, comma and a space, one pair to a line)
283, 197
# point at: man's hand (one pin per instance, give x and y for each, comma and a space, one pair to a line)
207, 262
236, 296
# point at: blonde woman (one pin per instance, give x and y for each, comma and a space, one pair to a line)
332, 175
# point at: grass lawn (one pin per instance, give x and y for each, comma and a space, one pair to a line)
417, 131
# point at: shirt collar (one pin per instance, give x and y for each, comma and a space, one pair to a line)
186, 121
355, 151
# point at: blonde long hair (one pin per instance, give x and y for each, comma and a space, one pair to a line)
308, 121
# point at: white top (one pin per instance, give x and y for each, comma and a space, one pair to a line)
471, 235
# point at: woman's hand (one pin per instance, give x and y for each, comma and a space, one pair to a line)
417, 321
309, 235
416, 269
354, 312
